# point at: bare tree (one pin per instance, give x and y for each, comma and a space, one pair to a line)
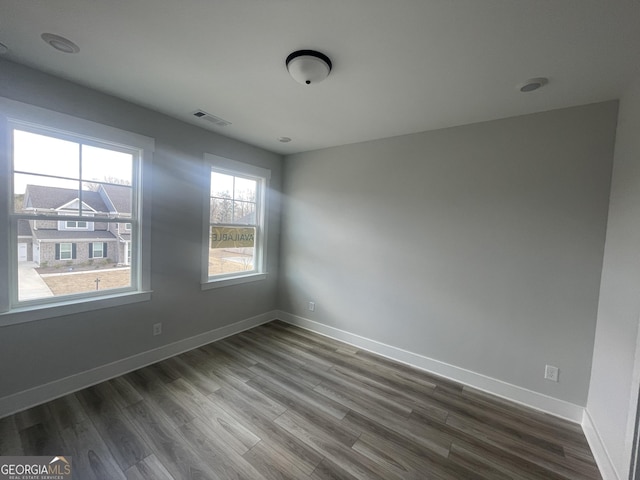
221, 208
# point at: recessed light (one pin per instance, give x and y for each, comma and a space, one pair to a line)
60, 43
533, 84
284, 139
3, 49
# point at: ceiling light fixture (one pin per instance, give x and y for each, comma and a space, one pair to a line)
308, 66
533, 84
60, 43
284, 139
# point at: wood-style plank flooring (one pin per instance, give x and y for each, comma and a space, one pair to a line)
279, 402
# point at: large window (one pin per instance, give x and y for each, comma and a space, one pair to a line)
234, 234
90, 174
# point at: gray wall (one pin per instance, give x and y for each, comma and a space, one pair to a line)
614, 385
39, 352
479, 246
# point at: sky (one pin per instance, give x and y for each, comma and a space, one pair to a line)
36, 153
244, 188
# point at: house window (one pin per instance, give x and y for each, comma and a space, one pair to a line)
234, 234
91, 174
65, 251
127, 227
77, 225
98, 250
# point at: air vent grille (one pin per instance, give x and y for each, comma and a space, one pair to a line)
217, 121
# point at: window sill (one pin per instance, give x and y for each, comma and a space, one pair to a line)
228, 281
39, 312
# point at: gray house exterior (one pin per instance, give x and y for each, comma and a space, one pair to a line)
67, 243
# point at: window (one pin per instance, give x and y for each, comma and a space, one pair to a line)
97, 250
127, 227
234, 236
77, 225
61, 165
65, 251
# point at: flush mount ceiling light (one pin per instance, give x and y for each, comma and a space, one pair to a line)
60, 43
533, 84
284, 139
308, 66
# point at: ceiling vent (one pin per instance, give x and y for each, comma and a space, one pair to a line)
217, 121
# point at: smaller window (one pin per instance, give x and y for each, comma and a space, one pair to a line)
66, 251
77, 225
97, 250
234, 237
127, 227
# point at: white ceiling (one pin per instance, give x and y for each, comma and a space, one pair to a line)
400, 66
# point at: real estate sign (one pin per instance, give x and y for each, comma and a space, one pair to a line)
232, 237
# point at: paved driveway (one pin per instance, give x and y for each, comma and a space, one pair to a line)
31, 284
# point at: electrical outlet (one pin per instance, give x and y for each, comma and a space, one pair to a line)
551, 373
157, 329
312, 306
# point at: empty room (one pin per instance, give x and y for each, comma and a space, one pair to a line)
319, 240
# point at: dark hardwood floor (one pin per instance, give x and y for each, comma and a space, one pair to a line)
279, 402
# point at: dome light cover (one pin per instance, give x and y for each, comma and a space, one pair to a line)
308, 66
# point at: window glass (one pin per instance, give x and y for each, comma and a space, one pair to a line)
66, 251
235, 236
98, 250
55, 176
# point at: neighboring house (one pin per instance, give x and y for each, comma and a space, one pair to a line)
66, 242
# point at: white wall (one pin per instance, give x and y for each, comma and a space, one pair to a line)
479, 246
36, 353
614, 385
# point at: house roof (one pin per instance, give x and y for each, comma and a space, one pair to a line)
70, 236
43, 197
24, 229
119, 196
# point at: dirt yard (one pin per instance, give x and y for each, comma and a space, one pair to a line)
84, 282
220, 261
225, 261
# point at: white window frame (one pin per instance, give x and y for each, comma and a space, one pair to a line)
93, 249
262, 176
69, 250
64, 224
22, 116
77, 225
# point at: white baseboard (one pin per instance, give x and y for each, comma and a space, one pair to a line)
600, 453
58, 388
514, 393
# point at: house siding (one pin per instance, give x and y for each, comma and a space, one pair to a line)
48, 254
